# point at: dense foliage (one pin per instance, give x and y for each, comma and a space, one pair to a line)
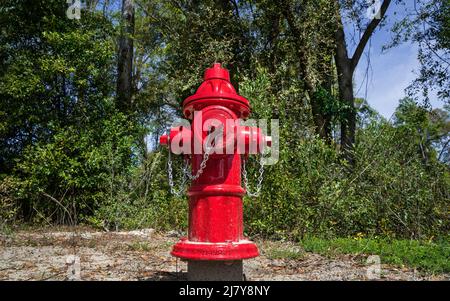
70, 154
61, 139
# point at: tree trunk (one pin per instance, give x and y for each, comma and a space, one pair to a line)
125, 58
345, 82
321, 122
346, 67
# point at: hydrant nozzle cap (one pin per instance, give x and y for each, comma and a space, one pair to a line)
216, 71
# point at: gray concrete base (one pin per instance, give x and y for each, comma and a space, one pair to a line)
215, 270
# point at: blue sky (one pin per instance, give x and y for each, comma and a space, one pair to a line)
390, 71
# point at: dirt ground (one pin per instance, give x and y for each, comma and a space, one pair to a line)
83, 254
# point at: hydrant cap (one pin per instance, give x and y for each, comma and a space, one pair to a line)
216, 89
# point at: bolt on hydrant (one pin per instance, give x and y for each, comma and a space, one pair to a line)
215, 144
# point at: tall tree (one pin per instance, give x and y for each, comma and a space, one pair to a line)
428, 26
125, 57
346, 66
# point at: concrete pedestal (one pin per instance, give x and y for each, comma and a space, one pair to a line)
202, 270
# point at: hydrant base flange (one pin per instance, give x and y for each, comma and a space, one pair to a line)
192, 250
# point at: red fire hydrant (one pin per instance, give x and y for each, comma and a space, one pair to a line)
215, 246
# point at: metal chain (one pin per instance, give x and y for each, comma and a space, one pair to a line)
187, 174
257, 192
171, 183
186, 170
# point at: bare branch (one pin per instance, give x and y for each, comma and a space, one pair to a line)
60, 204
368, 33
443, 150
236, 8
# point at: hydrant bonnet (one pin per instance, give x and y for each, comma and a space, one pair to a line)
216, 89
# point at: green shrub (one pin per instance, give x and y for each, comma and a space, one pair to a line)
425, 255
311, 191
66, 179
142, 199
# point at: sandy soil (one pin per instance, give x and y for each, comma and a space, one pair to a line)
83, 254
